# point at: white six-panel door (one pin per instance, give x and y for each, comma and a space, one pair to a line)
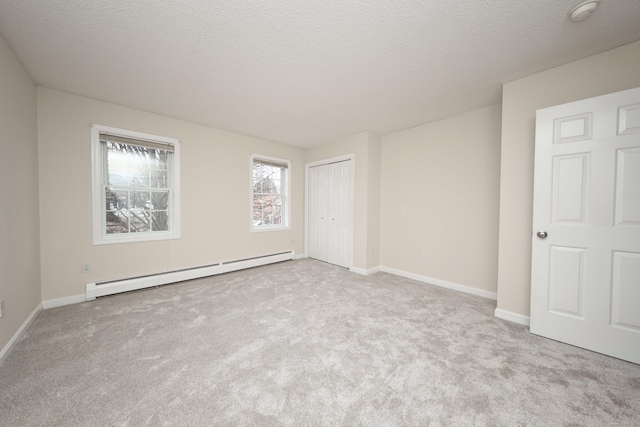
585, 282
329, 213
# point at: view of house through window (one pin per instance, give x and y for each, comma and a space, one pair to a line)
270, 196
137, 181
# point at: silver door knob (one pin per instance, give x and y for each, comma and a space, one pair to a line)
542, 234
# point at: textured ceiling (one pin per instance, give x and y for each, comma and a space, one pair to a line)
303, 72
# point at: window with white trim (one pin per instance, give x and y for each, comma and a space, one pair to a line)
136, 183
269, 193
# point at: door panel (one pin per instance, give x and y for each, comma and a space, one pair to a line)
585, 280
629, 119
570, 177
329, 213
625, 312
340, 213
628, 187
566, 280
573, 128
318, 231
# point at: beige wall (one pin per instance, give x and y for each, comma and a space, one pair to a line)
439, 194
373, 201
611, 71
19, 229
215, 185
365, 147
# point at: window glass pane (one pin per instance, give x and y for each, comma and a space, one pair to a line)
132, 166
161, 159
140, 200
257, 187
273, 210
272, 183
116, 200
117, 222
257, 173
117, 203
160, 221
159, 178
257, 210
137, 211
275, 174
159, 200
139, 221
268, 180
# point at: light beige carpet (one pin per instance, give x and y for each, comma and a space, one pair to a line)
304, 343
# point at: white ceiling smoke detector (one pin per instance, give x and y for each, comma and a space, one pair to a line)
582, 11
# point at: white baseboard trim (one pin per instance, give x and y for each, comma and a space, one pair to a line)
512, 317
94, 290
442, 283
364, 272
59, 302
218, 268
18, 335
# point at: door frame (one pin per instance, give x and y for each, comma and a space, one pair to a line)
337, 159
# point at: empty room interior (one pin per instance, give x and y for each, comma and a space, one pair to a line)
320, 213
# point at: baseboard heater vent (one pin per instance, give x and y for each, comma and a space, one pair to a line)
95, 290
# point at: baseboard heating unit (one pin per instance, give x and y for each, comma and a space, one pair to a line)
95, 290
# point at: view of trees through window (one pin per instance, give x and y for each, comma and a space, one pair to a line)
268, 193
137, 189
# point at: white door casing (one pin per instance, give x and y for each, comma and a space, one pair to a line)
329, 212
585, 281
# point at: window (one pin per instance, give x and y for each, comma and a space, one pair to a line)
136, 182
270, 193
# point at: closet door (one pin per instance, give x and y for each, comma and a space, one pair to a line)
329, 213
318, 205
339, 211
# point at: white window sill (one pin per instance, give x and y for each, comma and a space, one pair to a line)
131, 238
277, 228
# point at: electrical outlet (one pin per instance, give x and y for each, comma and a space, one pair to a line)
423, 256
85, 267
1, 307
